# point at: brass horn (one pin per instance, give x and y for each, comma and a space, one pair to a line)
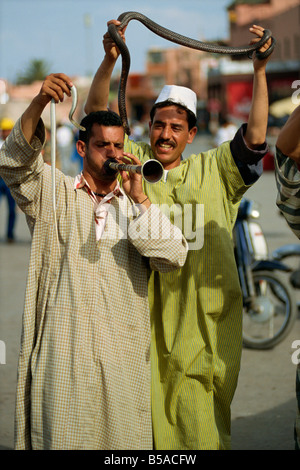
152, 170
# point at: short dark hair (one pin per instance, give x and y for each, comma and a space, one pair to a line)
191, 118
103, 118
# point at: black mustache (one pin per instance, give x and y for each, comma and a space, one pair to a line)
162, 141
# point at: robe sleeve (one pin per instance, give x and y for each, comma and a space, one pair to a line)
288, 186
156, 238
248, 161
21, 166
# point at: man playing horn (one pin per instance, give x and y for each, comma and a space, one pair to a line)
196, 312
84, 368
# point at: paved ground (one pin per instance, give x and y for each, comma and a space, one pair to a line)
264, 406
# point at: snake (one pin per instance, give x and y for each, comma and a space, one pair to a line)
165, 33
172, 36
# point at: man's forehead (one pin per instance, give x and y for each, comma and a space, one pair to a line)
170, 112
114, 132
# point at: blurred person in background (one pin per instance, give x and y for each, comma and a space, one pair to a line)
226, 131
6, 125
46, 151
65, 140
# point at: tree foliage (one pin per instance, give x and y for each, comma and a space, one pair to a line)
37, 69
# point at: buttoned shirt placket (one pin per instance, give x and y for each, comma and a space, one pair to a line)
100, 208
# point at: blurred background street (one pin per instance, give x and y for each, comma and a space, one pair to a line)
264, 406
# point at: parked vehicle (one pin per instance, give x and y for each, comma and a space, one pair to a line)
290, 254
270, 308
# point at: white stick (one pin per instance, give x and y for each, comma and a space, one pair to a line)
53, 150
53, 165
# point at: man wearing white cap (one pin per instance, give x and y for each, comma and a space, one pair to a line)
196, 312
179, 95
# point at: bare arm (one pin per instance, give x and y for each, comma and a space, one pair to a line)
99, 92
288, 140
97, 99
258, 116
54, 86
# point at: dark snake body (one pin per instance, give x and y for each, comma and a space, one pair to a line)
124, 18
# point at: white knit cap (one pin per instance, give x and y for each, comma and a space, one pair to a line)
179, 95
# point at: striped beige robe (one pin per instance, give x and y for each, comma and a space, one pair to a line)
84, 365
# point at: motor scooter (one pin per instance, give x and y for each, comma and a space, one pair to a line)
290, 254
270, 308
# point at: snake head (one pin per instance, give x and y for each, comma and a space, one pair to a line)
74, 105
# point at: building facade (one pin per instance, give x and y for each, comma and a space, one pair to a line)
231, 81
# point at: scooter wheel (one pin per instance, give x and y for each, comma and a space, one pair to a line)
271, 314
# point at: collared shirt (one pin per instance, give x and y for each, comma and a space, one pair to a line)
100, 208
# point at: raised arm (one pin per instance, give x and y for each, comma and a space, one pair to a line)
288, 140
99, 92
54, 86
258, 116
